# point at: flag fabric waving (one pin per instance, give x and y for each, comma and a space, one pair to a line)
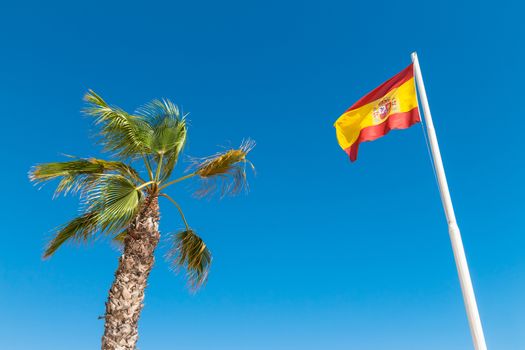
392, 105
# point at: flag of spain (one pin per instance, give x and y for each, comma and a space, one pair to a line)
392, 105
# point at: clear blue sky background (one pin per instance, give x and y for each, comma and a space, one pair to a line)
322, 254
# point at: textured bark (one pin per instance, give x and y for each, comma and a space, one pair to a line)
126, 295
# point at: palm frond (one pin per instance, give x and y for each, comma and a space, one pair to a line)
170, 161
159, 109
79, 174
121, 133
224, 172
115, 200
169, 128
78, 229
110, 205
188, 251
169, 133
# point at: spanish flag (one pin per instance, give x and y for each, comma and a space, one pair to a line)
392, 105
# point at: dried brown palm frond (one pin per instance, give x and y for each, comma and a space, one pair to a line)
224, 172
188, 251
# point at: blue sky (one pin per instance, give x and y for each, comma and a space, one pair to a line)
322, 254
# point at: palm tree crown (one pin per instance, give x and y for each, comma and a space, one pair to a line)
112, 192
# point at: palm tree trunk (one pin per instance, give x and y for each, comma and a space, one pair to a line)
127, 292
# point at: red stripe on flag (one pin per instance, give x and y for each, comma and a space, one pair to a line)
395, 121
392, 83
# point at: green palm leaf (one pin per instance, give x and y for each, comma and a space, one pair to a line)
159, 109
121, 133
110, 205
79, 229
188, 251
79, 174
169, 134
169, 128
115, 200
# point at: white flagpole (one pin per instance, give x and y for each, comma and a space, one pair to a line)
455, 237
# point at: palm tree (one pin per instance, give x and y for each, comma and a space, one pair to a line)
120, 202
